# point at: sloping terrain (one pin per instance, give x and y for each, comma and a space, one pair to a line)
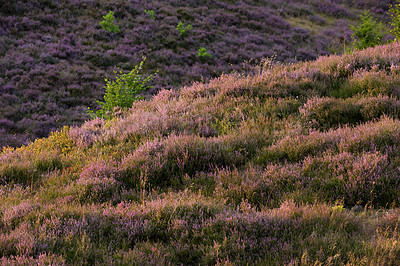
244, 169
54, 54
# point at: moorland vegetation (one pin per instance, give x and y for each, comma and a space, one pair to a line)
251, 168
54, 55
285, 163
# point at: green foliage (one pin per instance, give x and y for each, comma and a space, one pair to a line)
326, 113
395, 14
369, 33
123, 91
150, 13
183, 31
203, 54
108, 23
224, 172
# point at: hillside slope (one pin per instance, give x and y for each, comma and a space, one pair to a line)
54, 54
260, 168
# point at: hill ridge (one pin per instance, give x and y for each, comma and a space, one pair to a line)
262, 168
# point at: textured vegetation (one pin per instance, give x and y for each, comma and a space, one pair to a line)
369, 33
122, 92
262, 167
108, 23
54, 55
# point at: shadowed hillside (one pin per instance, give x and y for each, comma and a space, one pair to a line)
54, 54
263, 168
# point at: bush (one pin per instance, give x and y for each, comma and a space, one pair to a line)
325, 113
369, 33
108, 23
352, 178
183, 31
161, 163
150, 13
203, 54
122, 92
395, 14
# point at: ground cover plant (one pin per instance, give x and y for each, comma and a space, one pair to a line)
288, 164
54, 55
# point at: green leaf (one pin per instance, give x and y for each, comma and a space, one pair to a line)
123, 91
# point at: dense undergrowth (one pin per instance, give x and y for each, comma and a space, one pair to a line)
54, 54
245, 169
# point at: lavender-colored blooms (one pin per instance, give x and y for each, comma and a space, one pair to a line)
259, 167
52, 63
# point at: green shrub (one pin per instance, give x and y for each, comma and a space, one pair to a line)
326, 113
151, 13
183, 31
122, 92
395, 14
108, 23
203, 54
369, 33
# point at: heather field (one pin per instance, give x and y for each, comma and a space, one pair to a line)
54, 55
264, 168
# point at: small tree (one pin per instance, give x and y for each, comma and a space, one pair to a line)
395, 14
108, 23
369, 33
122, 92
183, 31
151, 13
203, 54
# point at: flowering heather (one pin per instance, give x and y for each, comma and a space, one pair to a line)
256, 167
53, 63
328, 112
97, 183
